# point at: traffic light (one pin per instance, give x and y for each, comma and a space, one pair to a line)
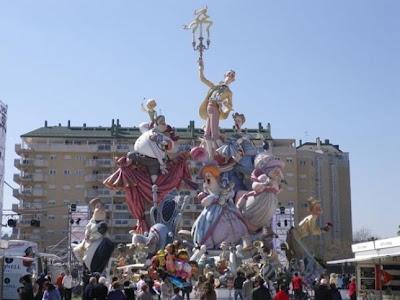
12, 223
35, 223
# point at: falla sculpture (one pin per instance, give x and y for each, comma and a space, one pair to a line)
239, 193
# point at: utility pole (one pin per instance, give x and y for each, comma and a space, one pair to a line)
69, 237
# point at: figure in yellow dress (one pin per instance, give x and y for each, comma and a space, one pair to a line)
217, 105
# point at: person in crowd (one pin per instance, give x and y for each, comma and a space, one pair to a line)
26, 291
39, 287
247, 288
59, 284
145, 293
281, 294
88, 292
51, 292
141, 283
323, 292
238, 285
116, 292
297, 285
100, 289
187, 289
129, 290
167, 289
67, 285
260, 292
335, 293
352, 289
208, 291
199, 285
176, 295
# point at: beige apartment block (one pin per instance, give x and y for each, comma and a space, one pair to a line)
63, 165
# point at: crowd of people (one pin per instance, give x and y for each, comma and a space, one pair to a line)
243, 286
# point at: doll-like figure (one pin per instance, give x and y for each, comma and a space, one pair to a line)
240, 149
220, 220
309, 226
170, 258
150, 108
216, 106
259, 205
150, 149
96, 249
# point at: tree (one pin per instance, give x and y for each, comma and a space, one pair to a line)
363, 235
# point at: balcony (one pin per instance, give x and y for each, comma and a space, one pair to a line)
124, 222
187, 223
121, 237
96, 177
104, 148
193, 208
119, 193
120, 207
76, 148
91, 193
122, 148
28, 177
19, 149
100, 163
28, 192
28, 162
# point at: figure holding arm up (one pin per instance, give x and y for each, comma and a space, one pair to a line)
218, 103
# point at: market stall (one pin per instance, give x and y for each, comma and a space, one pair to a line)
377, 268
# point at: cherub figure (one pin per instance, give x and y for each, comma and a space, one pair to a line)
150, 106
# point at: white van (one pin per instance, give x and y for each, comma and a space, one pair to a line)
18, 259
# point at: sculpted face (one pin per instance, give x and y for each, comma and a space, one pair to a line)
276, 174
316, 209
229, 77
210, 183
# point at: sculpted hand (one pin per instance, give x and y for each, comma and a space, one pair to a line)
201, 65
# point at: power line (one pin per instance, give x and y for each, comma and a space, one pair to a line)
9, 185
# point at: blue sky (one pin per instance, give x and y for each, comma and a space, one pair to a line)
310, 68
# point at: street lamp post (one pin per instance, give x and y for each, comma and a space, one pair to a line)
200, 26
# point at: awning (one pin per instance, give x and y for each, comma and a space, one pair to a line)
363, 258
49, 255
133, 266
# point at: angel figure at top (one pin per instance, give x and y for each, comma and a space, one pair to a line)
150, 108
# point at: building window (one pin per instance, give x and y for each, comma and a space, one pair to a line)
67, 156
80, 157
51, 202
51, 217
53, 157
79, 187
67, 202
52, 172
52, 186
79, 172
67, 172
289, 160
